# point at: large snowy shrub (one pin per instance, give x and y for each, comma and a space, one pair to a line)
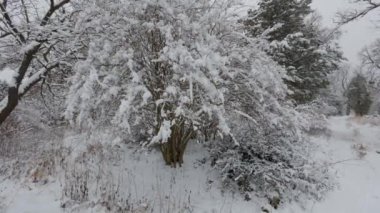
165, 72
160, 70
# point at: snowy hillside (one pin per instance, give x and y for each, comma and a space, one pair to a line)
352, 149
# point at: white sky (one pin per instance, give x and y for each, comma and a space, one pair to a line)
356, 35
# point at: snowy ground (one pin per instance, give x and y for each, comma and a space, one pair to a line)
352, 148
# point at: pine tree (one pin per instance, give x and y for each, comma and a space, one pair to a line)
298, 43
284, 16
359, 99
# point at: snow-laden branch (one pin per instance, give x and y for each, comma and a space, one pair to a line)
25, 85
29, 82
245, 115
8, 76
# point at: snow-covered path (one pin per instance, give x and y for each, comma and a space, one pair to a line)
352, 149
358, 176
29, 198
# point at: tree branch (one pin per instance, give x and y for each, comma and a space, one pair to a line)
22, 86
52, 9
16, 93
368, 56
34, 79
9, 22
5, 35
24, 8
353, 15
13, 95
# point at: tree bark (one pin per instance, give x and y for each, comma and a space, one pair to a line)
174, 149
11, 104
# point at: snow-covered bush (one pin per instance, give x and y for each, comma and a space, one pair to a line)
314, 116
273, 159
101, 174
165, 72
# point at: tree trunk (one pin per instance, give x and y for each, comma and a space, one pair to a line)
173, 150
11, 104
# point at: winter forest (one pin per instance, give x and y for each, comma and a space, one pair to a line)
188, 106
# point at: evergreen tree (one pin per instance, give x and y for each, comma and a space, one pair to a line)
359, 99
283, 16
298, 43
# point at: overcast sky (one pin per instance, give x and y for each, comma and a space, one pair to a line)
356, 35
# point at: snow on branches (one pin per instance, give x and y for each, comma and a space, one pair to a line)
171, 61
8, 76
167, 72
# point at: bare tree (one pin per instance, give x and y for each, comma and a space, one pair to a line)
28, 42
371, 56
370, 67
